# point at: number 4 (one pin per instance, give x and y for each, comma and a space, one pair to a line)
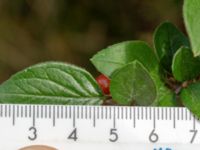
73, 135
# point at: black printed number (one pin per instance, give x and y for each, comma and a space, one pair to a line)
114, 135
153, 137
73, 135
33, 130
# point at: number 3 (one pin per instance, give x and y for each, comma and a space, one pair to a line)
34, 132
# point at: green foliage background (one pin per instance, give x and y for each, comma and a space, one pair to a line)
33, 31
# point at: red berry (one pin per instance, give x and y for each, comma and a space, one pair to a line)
104, 83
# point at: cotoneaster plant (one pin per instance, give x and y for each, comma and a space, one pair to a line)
133, 74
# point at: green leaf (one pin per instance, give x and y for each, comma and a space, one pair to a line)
185, 66
133, 84
167, 40
191, 12
191, 98
51, 83
165, 97
116, 56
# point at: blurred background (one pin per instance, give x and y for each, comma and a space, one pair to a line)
33, 31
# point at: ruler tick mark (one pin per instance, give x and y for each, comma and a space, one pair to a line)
174, 118
54, 115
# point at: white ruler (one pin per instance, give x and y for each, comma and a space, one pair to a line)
98, 127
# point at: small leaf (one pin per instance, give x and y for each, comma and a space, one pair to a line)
51, 83
167, 40
191, 12
191, 98
133, 84
116, 56
185, 66
165, 97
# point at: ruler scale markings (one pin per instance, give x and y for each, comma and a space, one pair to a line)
54, 116
13, 117
170, 114
106, 108
9, 114
26, 111
130, 113
78, 115
58, 111
110, 112
114, 118
17, 111
97, 112
33, 115
70, 112
190, 116
86, 112
49, 111
150, 115
134, 118
186, 116
162, 114
178, 117
29, 112
81, 112
142, 113
90, 112
118, 112
62, 112
166, 114
101, 110
38, 112
174, 118
138, 113
5, 107
146, 115
154, 118
45, 111
41, 110
182, 117
22, 112
66, 112
122, 113
126, 112
94, 116
158, 114
74, 116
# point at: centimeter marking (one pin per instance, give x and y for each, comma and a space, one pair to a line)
94, 113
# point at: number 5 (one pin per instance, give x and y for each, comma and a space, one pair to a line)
114, 135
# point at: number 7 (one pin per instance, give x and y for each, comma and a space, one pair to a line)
194, 135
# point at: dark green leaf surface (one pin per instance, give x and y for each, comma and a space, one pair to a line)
191, 98
185, 66
51, 83
167, 40
133, 84
116, 56
191, 14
